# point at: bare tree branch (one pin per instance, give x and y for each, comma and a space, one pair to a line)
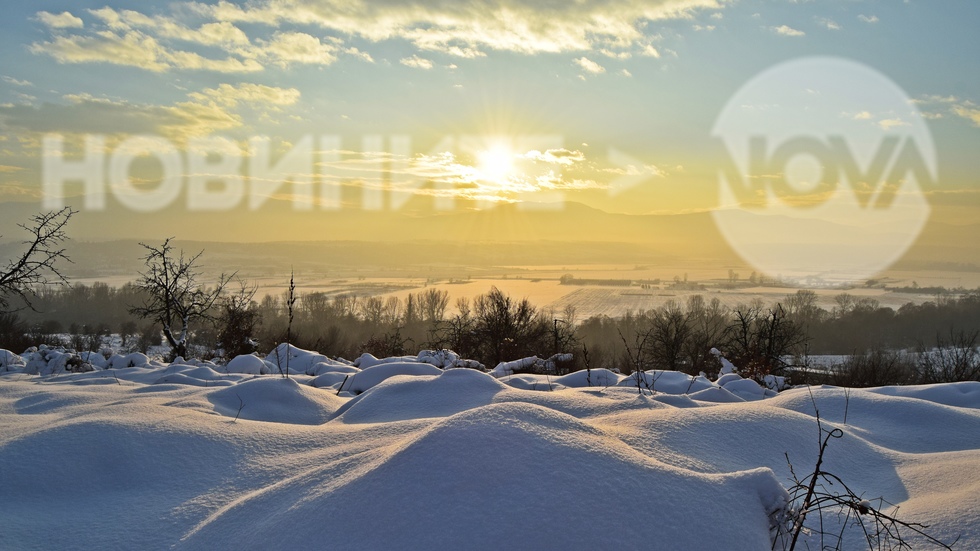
174, 294
37, 266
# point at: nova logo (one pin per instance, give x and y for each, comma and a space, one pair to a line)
824, 162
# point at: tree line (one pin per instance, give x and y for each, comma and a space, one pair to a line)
170, 302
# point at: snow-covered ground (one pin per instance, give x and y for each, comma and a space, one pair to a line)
402, 453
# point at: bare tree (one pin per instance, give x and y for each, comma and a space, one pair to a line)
174, 294
238, 321
433, 303
508, 329
37, 266
757, 339
373, 309
668, 333
952, 360
707, 321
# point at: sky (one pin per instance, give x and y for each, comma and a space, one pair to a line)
452, 104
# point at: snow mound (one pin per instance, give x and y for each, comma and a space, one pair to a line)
331, 366
275, 400
727, 378
747, 389
668, 382
447, 359
585, 378
248, 364
121, 361
114, 477
735, 437
329, 380
195, 376
894, 422
965, 394
367, 360
548, 365
374, 375
473, 480
94, 358
299, 360
10, 361
400, 398
716, 395
528, 381
49, 361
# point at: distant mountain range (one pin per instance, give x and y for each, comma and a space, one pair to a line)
274, 238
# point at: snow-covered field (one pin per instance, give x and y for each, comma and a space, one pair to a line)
410, 455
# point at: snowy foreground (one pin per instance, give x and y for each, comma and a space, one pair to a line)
413, 456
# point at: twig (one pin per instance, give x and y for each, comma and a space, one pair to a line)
241, 406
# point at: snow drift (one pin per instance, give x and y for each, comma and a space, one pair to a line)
192, 455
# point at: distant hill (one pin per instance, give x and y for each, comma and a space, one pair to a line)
273, 239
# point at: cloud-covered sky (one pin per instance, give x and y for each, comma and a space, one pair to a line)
609, 103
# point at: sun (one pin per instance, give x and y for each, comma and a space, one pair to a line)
496, 164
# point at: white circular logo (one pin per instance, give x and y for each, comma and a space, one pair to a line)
826, 161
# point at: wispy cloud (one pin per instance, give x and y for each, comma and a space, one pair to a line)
202, 36
63, 20
15, 81
786, 30
205, 112
867, 18
968, 111
563, 157
470, 27
286, 48
417, 62
828, 23
135, 49
589, 66
888, 124
247, 93
962, 108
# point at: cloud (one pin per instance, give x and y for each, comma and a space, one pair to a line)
649, 51
449, 175
589, 66
247, 93
786, 30
296, 47
868, 18
135, 49
888, 124
63, 20
962, 108
16, 82
968, 111
363, 56
634, 170
469, 28
130, 38
85, 114
563, 157
210, 37
615, 55
416, 62
828, 23
862, 116
205, 112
